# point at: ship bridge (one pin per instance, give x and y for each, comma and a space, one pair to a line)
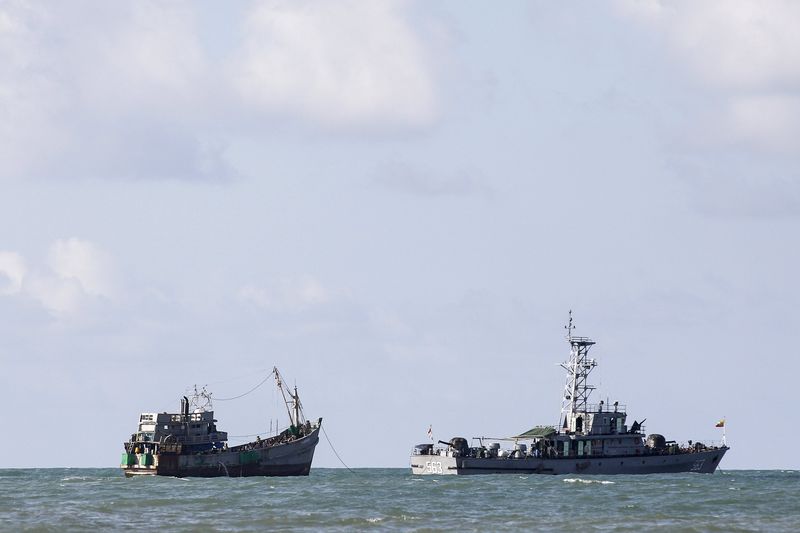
197, 430
598, 419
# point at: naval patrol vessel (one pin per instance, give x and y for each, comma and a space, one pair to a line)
593, 439
189, 444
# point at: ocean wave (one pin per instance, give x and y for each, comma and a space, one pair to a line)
385, 500
588, 481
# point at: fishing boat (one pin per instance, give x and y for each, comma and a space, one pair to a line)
189, 444
589, 439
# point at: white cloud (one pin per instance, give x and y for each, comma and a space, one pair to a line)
129, 90
341, 63
85, 263
746, 44
60, 297
766, 120
12, 268
744, 53
103, 90
77, 272
290, 294
151, 58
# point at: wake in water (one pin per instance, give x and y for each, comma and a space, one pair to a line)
589, 481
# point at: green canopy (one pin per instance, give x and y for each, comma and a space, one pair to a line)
537, 432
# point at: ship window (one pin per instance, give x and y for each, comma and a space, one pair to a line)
166, 426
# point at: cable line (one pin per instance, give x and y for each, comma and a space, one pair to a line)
334, 450
248, 392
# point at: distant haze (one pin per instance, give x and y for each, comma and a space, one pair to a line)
397, 203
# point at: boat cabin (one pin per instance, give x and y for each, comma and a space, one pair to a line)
194, 432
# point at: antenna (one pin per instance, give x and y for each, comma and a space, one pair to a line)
201, 399
569, 327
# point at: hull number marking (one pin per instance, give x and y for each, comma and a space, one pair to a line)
698, 465
433, 467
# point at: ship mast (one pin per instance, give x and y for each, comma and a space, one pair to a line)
293, 406
578, 367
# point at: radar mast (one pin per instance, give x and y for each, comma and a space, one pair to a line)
200, 400
578, 367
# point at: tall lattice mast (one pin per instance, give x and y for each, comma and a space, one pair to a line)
578, 367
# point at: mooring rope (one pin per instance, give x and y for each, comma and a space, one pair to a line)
334, 450
246, 393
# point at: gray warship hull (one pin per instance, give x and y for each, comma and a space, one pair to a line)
704, 462
588, 439
288, 459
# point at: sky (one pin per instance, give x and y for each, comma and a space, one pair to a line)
397, 203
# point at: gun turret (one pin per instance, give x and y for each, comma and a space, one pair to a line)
458, 444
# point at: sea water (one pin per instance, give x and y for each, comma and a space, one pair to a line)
393, 499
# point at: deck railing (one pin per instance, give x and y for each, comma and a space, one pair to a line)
607, 408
